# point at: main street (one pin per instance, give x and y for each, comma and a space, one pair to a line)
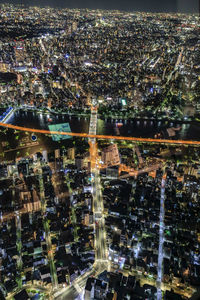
98, 207
100, 237
101, 263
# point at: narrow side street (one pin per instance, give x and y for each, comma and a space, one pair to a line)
161, 240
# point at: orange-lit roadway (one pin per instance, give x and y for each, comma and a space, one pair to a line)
110, 137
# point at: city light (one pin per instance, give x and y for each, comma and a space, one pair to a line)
99, 152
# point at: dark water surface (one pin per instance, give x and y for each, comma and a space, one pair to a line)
134, 128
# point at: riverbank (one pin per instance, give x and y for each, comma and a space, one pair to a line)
132, 127
115, 115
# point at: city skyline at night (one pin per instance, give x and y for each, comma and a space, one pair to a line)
99, 150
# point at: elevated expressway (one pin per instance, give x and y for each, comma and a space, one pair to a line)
98, 136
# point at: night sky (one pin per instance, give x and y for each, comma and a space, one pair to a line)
128, 5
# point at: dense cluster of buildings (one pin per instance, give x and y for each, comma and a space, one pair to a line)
46, 230
132, 208
125, 213
116, 285
64, 59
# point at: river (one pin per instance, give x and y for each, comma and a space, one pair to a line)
134, 128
